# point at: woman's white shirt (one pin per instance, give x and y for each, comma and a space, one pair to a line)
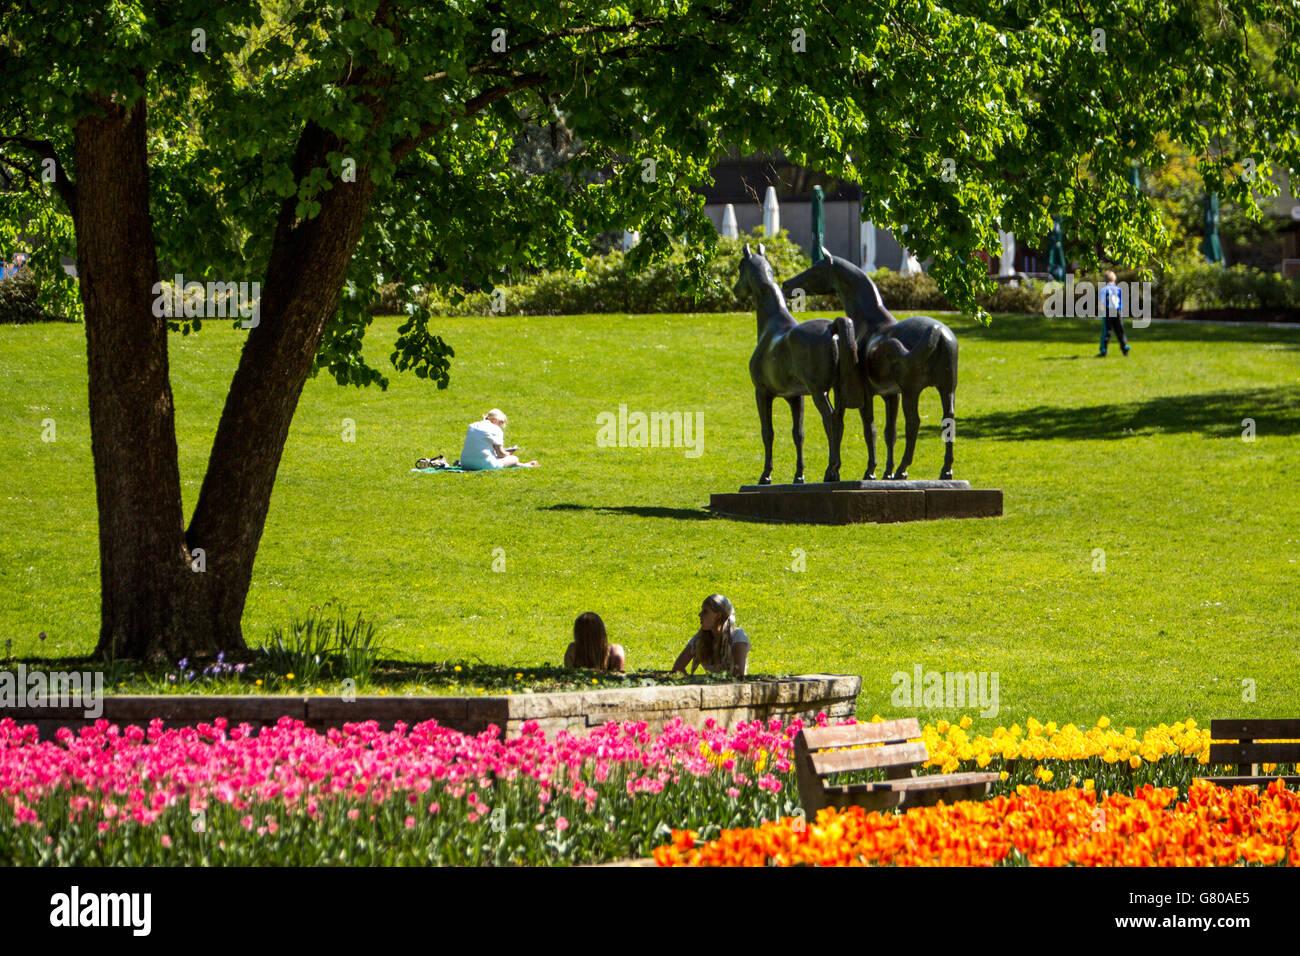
738, 636
480, 441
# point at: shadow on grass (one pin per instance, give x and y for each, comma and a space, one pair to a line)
1275, 411
640, 511
441, 678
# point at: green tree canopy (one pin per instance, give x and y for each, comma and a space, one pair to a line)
309, 146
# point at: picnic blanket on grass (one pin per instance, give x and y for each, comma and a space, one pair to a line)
457, 470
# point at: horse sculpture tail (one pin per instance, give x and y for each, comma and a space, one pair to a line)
849, 392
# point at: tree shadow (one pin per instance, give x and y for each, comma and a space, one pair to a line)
640, 511
1274, 411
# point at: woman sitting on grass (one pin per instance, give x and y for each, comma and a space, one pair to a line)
483, 441
591, 649
718, 646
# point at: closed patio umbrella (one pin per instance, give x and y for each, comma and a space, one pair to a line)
1211, 248
818, 223
771, 212
729, 228
1056, 251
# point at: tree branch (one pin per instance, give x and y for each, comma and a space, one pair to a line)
497, 61
26, 170
474, 105
45, 149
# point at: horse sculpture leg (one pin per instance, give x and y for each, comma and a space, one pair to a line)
764, 399
833, 421
949, 426
891, 432
912, 419
869, 433
796, 432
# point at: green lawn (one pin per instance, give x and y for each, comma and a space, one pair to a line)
1141, 457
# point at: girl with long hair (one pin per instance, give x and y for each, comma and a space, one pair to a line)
591, 648
719, 646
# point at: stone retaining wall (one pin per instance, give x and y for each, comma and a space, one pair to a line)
577, 711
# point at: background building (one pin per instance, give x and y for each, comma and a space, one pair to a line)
743, 182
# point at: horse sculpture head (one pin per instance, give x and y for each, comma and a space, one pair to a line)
755, 272
818, 279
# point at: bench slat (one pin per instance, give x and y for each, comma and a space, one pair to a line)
935, 781
890, 755
1255, 729
1255, 753
857, 795
950, 794
819, 738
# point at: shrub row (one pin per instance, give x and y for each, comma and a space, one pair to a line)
18, 304
606, 284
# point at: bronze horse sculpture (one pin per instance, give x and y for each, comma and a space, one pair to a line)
793, 359
896, 360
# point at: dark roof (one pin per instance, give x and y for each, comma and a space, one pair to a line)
745, 179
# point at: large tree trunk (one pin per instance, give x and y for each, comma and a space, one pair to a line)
155, 602
308, 266
142, 556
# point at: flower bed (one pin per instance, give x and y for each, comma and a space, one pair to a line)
1114, 759
220, 795
215, 795
1212, 827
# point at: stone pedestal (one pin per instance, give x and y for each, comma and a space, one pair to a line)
851, 502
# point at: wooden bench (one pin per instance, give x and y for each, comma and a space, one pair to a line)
1241, 747
817, 758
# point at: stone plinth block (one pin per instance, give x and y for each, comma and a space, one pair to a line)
971, 503
854, 502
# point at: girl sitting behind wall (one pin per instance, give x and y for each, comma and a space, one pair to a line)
718, 646
591, 648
